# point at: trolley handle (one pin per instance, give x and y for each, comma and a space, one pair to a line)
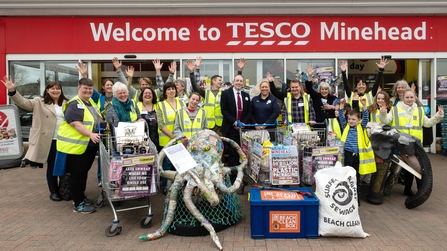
240, 124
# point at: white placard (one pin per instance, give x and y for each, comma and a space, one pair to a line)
180, 158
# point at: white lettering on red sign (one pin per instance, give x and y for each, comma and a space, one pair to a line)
138, 34
339, 31
264, 34
268, 30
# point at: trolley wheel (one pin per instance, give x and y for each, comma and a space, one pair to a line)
111, 233
23, 163
98, 203
143, 223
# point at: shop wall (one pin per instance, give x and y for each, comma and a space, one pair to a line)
3, 91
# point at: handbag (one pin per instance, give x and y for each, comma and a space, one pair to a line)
64, 187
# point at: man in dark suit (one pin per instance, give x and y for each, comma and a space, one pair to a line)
235, 106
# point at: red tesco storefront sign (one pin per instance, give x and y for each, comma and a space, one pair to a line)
164, 34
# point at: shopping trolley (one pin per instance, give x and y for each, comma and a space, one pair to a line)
256, 144
129, 172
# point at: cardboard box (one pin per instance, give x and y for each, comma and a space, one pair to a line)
283, 213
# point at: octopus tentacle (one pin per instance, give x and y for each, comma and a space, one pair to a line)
170, 206
240, 169
199, 216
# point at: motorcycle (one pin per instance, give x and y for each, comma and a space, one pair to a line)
395, 150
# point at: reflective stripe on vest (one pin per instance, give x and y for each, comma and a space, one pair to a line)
168, 115
400, 121
188, 127
288, 102
212, 108
69, 140
367, 163
375, 117
335, 125
369, 100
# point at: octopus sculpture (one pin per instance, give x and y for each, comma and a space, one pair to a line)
206, 148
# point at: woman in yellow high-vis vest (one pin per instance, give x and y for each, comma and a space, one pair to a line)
166, 113
361, 85
147, 105
78, 137
191, 118
409, 118
381, 103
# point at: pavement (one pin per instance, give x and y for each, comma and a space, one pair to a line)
30, 221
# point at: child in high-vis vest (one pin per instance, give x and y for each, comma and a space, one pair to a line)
409, 118
358, 152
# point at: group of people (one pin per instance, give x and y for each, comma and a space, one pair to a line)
71, 128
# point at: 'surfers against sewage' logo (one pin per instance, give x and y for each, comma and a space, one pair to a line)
342, 194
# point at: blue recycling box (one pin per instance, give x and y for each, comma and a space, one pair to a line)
283, 213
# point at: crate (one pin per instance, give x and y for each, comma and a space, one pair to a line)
283, 213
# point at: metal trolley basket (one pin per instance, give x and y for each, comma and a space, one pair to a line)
258, 171
129, 172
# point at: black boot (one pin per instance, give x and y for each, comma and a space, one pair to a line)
54, 192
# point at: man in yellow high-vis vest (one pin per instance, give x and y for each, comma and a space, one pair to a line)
298, 107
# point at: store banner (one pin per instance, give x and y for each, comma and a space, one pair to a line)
224, 34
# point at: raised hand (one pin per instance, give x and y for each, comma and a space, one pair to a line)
130, 71
413, 87
383, 63
241, 64
157, 64
343, 65
310, 69
173, 67
190, 65
363, 102
9, 84
116, 63
342, 103
440, 109
383, 108
269, 76
198, 62
82, 69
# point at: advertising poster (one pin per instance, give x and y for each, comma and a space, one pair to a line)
284, 163
441, 87
324, 157
11, 145
255, 161
137, 177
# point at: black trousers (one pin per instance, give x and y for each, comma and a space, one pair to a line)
352, 159
52, 180
233, 156
78, 166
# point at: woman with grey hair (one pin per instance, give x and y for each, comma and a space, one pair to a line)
181, 90
324, 102
122, 109
399, 88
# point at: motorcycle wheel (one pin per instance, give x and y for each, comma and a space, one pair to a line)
426, 183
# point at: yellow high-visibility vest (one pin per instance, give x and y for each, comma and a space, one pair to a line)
188, 127
168, 115
369, 100
288, 104
69, 140
335, 125
212, 108
413, 127
367, 163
